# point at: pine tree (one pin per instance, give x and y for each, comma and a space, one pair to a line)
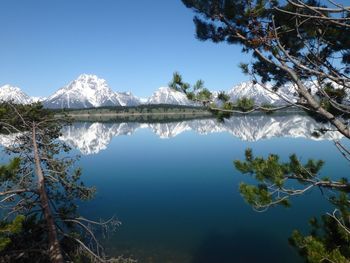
296, 41
40, 187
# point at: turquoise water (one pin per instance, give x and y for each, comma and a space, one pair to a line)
177, 195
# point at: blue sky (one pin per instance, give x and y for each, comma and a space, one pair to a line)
134, 45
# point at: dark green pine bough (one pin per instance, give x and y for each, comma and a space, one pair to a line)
301, 42
329, 239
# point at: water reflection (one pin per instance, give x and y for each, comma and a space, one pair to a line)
192, 212
92, 137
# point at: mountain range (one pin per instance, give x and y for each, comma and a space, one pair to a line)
91, 91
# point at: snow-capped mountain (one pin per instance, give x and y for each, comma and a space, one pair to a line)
88, 91
166, 95
261, 95
91, 91
14, 94
265, 95
127, 99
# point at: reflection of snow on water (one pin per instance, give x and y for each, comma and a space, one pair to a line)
91, 138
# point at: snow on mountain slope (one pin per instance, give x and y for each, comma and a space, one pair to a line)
38, 99
127, 99
89, 91
265, 95
143, 100
166, 95
14, 94
254, 91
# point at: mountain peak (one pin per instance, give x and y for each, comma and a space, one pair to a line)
88, 82
10, 88
89, 91
89, 77
84, 92
14, 94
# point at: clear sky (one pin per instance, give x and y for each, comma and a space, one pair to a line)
134, 45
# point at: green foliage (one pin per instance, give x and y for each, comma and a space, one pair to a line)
271, 171
337, 95
178, 84
8, 229
19, 184
267, 108
245, 104
320, 51
265, 169
15, 114
315, 251
197, 92
222, 96
329, 238
191, 95
198, 85
255, 195
317, 49
228, 106
204, 95
10, 170
244, 67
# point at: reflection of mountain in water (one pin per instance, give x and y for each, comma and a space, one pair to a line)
91, 138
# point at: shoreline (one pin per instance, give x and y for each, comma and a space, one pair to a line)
205, 113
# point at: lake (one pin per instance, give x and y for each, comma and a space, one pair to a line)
174, 187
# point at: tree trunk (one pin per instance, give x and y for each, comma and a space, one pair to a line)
55, 252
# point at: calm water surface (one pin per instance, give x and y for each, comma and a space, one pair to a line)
175, 189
